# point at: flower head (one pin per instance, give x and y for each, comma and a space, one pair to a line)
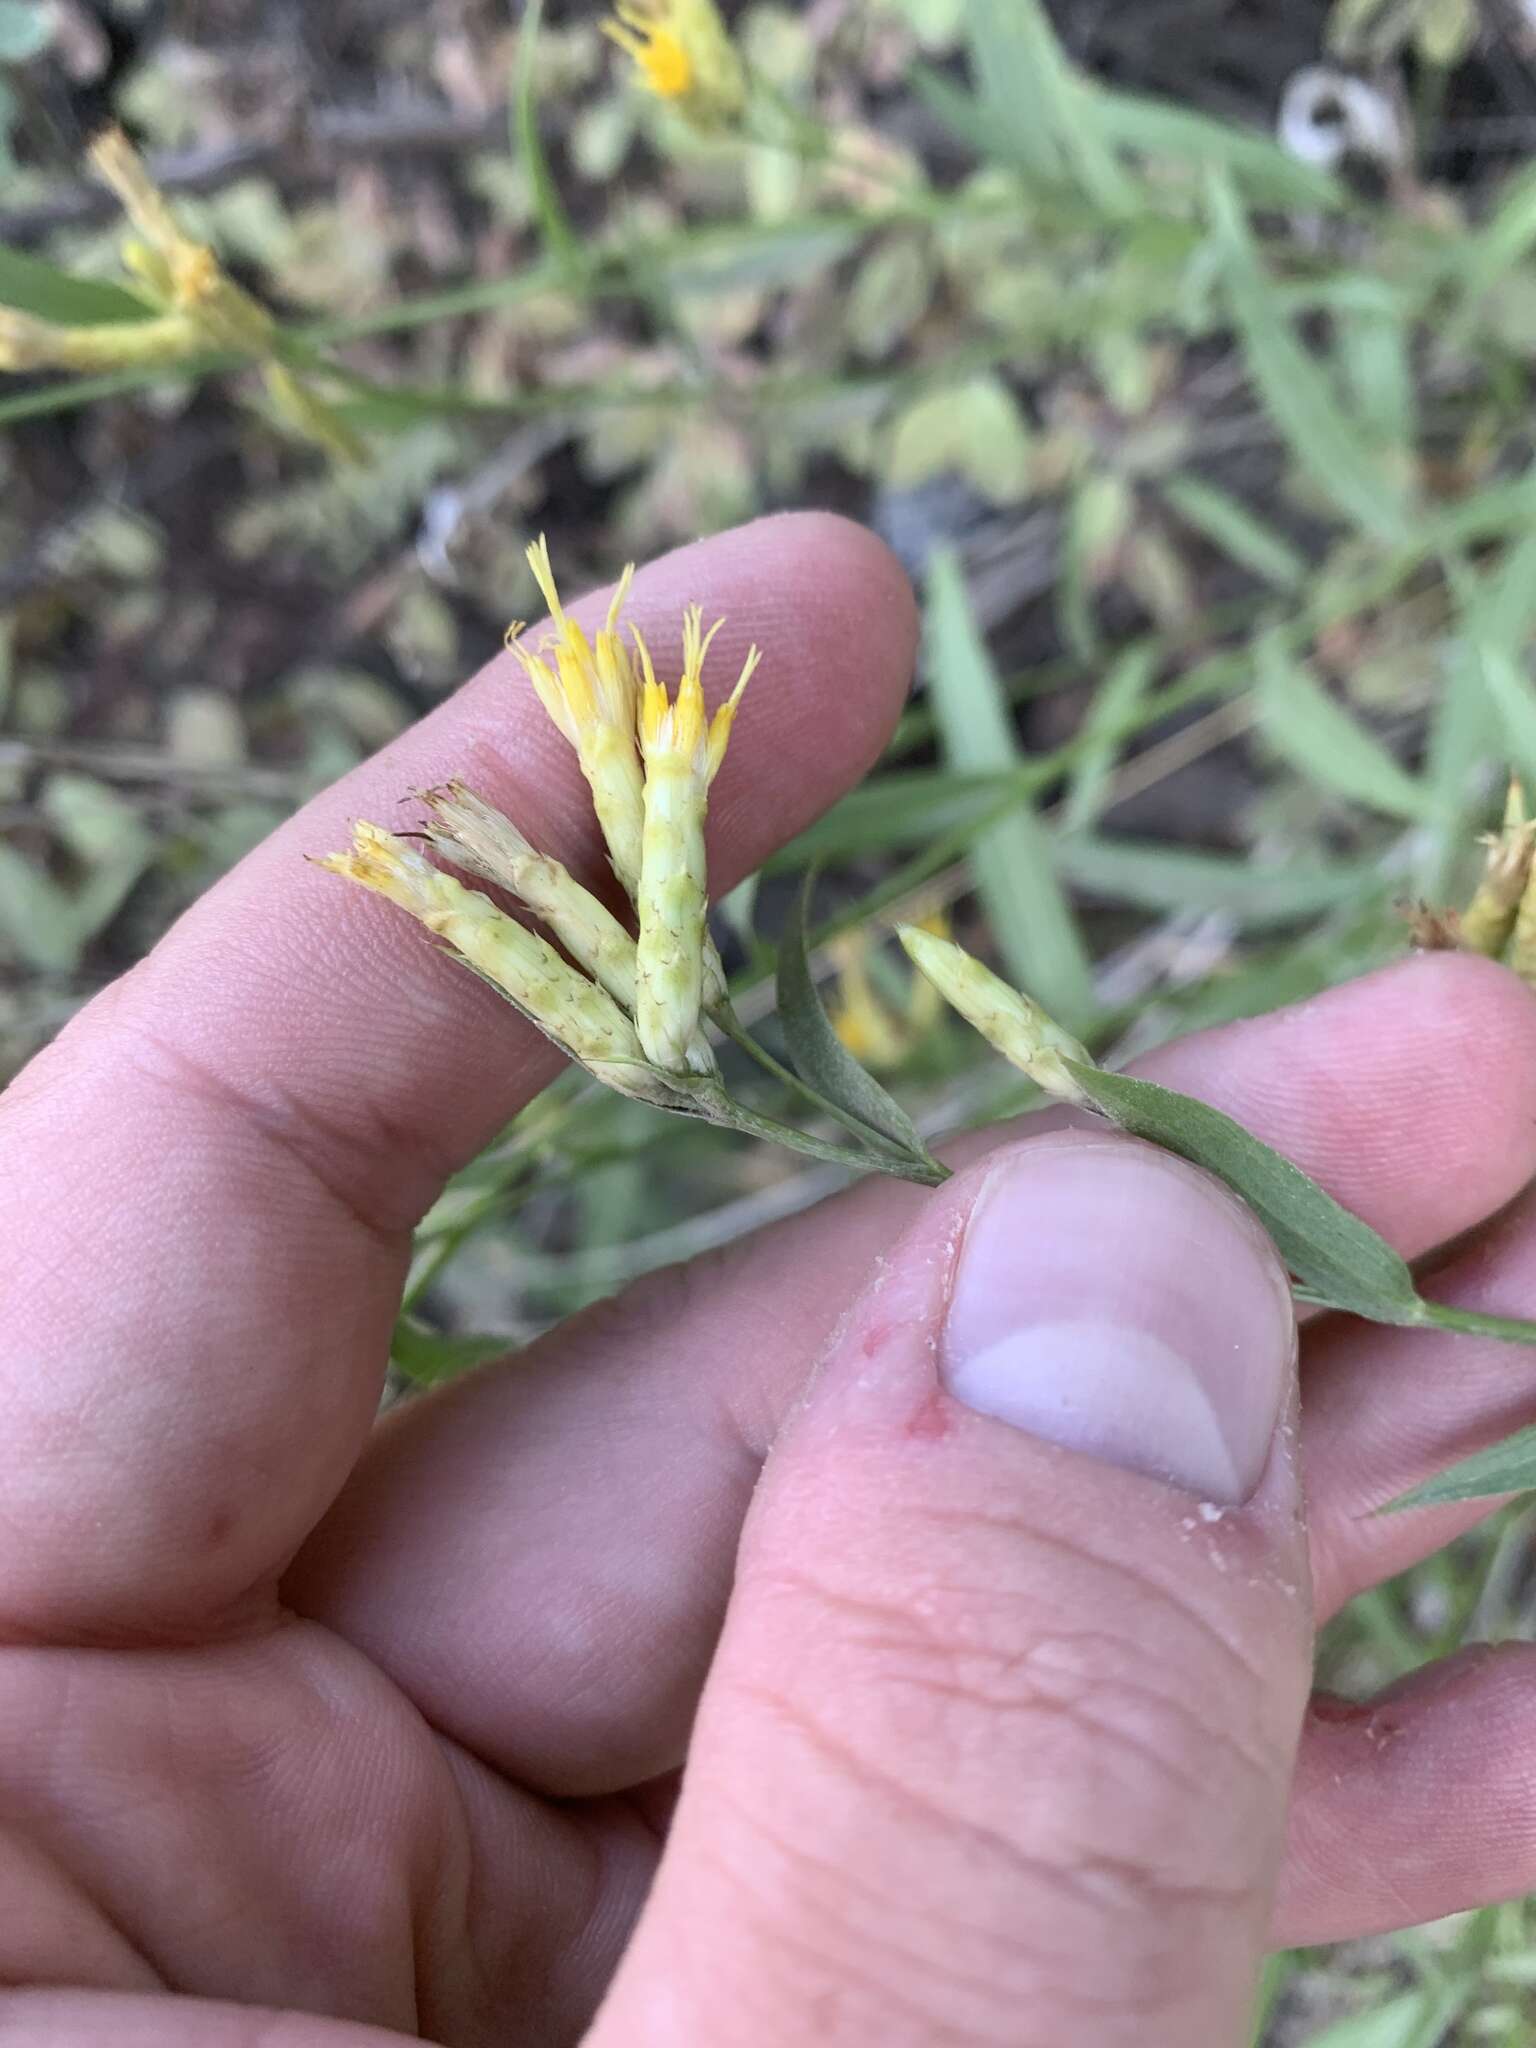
679, 971
582, 1019
683, 55
1020, 1030
590, 693
180, 274
197, 308
1488, 921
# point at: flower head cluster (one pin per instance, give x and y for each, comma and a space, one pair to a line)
582, 1019
197, 308
628, 1009
683, 55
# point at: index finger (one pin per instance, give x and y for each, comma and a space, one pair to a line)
207, 1183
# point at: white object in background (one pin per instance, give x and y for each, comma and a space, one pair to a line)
1327, 115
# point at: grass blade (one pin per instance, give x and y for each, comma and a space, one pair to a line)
560, 241
1318, 736
1295, 391
1240, 533
1031, 918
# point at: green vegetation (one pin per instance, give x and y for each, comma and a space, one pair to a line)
1214, 465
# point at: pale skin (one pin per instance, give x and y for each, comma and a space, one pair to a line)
321, 1735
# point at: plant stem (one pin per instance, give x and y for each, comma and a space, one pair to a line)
1472, 1322
726, 1020
735, 1116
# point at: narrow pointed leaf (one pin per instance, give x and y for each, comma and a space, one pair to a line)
1030, 915
1326, 742
30, 285
819, 1055
1332, 1252
428, 1356
1507, 1467
1295, 389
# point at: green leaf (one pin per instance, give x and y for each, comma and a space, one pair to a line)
1237, 530
1507, 1467
1375, 354
1296, 392
1031, 919
560, 241
1511, 693
428, 1356
1111, 720
819, 1055
1418, 2019
1326, 743
30, 285
1031, 108
1463, 734
1159, 877
904, 808
1157, 129
1331, 1252
1503, 242
974, 430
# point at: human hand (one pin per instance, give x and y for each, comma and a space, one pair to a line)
378, 1728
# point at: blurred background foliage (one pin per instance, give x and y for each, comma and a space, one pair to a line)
1182, 351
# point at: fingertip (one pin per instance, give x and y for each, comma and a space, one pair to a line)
1471, 1026
846, 605
837, 621
1410, 1093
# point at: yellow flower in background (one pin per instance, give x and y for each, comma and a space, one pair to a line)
1019, 1029
591, 694
678, 970
879, 1034
582, 1019
180, 274
684, 55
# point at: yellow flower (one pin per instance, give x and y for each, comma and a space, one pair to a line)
590, 694
582, 1019
1020, 1030
683, 55
683, 751
474, 835
1489, 919
878, 1034
861, 1018
198, 310
180, 274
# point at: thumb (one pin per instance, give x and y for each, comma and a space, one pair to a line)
998, 1737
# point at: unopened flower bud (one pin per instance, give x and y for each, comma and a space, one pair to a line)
582, 1019
1019, 1029
1488, 921
683, 750
589, 693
